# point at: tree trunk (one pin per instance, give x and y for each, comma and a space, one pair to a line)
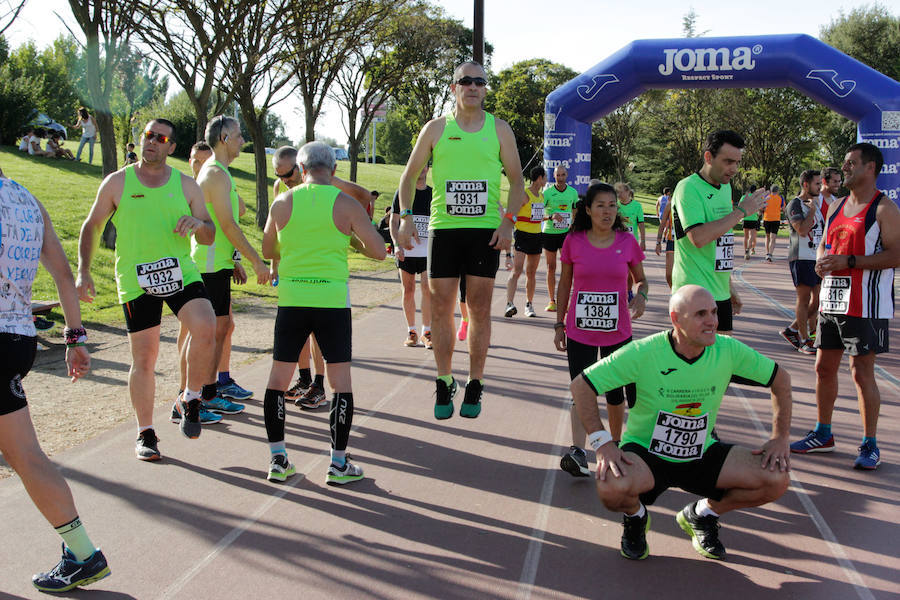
310, 116
353, 151
254, 121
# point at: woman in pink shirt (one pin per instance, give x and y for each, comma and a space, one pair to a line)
593, 311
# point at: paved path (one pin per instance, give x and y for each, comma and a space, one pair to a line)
466, 508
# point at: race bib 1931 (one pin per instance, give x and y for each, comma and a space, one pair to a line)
835, 295
597, 311
725, 252
161, 278
466, 198
678, 436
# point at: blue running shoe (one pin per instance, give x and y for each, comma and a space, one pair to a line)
223, 406
206, 417
813, 442
233, 390
69, 573
869, 457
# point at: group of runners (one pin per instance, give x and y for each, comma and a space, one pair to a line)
179, 243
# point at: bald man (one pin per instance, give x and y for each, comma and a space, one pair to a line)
681, 377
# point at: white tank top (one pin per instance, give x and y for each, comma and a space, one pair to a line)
21, 239
89, 127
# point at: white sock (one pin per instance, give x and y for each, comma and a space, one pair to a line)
191, 395
703, 510
639, 514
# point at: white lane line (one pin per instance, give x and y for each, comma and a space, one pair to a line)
739, 273
247, 523
533, 555
837, 551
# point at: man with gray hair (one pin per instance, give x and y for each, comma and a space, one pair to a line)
307, 235
216, 261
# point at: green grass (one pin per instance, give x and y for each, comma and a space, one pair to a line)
67, 190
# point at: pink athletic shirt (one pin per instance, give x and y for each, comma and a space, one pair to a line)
598, 307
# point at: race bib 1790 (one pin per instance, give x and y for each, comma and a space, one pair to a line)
466, 198
725, 252
679, 436
161, 278
597, 311
835, 295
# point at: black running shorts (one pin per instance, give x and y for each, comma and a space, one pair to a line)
218, 287
751, 225
771, 226
331, 326
856, 335
554, 241
726, 315
528, 243
457, 252
145, 311
696, 477
581, 356
804, 272
18, 353
413, 265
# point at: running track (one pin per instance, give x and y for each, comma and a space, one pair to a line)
467, 508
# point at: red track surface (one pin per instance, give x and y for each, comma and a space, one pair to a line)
467, 508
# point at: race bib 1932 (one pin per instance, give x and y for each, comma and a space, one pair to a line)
679, 436
725, 252
466, 198
835, 295
597, 311
161, 278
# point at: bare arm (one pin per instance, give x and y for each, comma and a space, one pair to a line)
429, 135
803, 225
362, 228
104, 206
279, 214
663, 225
563, 292
354, 190
639, 303
199, 223
705, 233
776, 453
395, 230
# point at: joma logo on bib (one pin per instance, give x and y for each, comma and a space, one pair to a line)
165, 263
708, 59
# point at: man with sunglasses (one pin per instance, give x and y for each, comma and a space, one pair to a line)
216, 260
807, 219
469, 149
155, 210
309, 391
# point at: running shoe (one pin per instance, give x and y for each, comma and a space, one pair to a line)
529, 310
42, 324
190, 418
869, 457
280, 468
792, 337
69, 574
298, 389
426, 339
510, 310
807, 347
206, 417
146, 446
746, 255
551, 307
768, 258
704, 532
314, 397
233, 390
634, 536
753, 251
443, 399
463, 330
471, 404
412, 340
813, 442
347, 473
575, 463
223, 406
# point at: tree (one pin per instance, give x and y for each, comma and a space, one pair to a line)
50, 69
187, 38
9, 10
517, 95
619, 131
140, 83
870, 34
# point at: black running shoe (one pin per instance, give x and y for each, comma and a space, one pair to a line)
471, 404
190, 418
574, 462
634, 536
69, 573
704, 532
443, 399
146, 446
42, 324
298, 389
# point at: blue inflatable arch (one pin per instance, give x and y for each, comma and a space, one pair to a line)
826, 75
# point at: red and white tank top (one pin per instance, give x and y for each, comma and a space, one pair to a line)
857, 292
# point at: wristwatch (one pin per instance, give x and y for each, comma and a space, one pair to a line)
851, 262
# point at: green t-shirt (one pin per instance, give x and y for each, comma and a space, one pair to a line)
632, 214
561, 202
221, 254
677, 399
695, 202
751, 217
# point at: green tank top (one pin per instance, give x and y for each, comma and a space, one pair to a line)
221, 254
150, 258
466, 175
313, 271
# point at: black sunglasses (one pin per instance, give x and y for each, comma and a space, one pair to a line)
478, 81
162, 139
288, 174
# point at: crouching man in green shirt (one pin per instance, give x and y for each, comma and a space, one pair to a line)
681, 376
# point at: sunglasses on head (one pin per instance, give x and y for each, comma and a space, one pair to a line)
162, 139
288, 174
478, 81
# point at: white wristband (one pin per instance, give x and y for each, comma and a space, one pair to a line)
598, 438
